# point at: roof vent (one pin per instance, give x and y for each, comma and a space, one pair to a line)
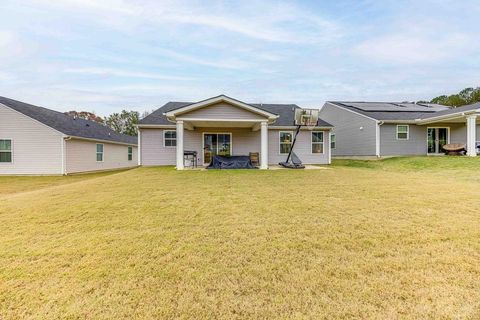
88, 125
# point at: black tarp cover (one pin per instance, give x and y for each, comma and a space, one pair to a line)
233, 162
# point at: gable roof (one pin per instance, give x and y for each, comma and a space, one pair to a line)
392, 110
68, 125
217, 99
285, 113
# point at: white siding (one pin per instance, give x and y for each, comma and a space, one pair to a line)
222, 111
244, 141
37, 149
81, 156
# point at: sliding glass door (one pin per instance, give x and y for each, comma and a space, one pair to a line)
436, 139
216, 144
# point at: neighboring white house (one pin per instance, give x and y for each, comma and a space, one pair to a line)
40, 141
225, 126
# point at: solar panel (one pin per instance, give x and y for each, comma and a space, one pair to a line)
390, 107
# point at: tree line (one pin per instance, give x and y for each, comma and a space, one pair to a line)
124, 122
464, 97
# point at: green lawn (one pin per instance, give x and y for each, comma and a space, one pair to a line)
391, 239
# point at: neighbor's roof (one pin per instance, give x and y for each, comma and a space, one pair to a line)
286, 113
393, 110
68, 125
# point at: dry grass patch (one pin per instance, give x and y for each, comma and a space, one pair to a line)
350, 242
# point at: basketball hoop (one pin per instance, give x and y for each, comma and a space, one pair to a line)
306, 118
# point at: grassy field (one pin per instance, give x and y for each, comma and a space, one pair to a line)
392, 239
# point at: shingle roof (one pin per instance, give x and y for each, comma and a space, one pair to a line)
286, 113
393, 110
469, 107
68, 125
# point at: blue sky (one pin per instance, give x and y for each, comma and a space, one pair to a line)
107, 55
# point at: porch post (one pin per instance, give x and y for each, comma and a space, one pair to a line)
264, 145
471, 135
179, 133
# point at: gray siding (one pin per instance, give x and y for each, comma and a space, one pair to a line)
222, 111
244, 141
37, 149
81, 156
417, 142
355, 134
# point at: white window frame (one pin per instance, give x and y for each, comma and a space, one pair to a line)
11, 151
217, 133
333, 137
130, 153
280, 141
97, 153
170, 139
322, 143
408, 132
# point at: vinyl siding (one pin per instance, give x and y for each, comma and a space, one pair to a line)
417, 142
37, 149
350, 139
222, 111
244, 141
81, 156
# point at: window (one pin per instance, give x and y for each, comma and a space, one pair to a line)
286, 139
5, 150
402, 132
333, 141
99, 152
169, 138
130, 153
317, 142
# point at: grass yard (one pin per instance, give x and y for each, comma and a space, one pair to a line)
392, 239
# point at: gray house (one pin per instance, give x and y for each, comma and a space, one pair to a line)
390, 129
225, 126
40, 141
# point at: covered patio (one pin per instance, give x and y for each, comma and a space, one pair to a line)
468, 115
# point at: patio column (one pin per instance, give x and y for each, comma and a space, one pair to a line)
471, 135
179, 133
264, 145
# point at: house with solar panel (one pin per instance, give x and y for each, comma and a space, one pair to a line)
383, 129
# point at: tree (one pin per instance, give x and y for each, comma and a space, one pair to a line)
85, 115
464, 97
124, 122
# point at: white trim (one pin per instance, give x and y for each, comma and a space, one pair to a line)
103, 152
280, 143
343, 108
153, 126
450, 116
221, 98
408, 132
170, 147
377, 138
139, 148
330, 146
11, 152
264, 145
311, 143
448, 137
217, 133
180, 146
63, 148
219, 120
273, 127
102, 141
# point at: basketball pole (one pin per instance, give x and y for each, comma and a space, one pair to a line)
293, 143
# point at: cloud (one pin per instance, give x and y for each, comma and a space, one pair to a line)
109, 72
413, 49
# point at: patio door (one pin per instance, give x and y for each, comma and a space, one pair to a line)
436, 139
216, 144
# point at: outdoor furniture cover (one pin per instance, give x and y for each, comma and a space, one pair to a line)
232, 162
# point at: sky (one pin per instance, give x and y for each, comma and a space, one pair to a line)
108, 55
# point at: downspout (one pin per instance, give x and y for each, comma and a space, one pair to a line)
64, 154
377, 138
